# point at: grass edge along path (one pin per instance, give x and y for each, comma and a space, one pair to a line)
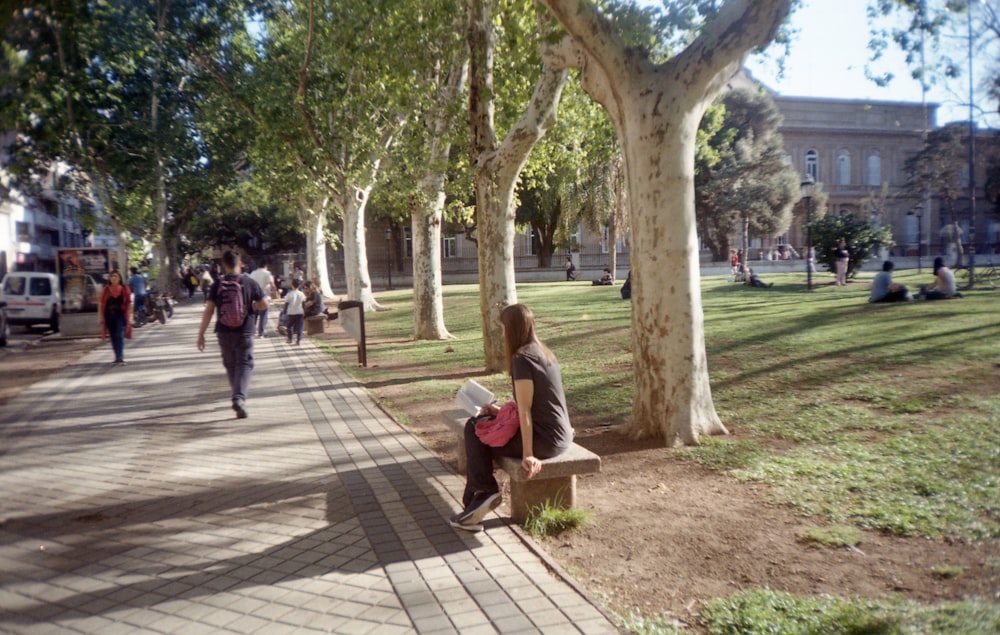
879, 416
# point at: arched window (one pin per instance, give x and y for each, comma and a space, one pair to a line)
843, 167
874, 168
812, 164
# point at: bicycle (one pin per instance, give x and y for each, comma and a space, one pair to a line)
987, 276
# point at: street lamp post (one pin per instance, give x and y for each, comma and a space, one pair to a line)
808, 189
920, 233
972, 166
388, 255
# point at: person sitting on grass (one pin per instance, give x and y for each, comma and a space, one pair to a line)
943, 287
884, 289
606, 279
753, 280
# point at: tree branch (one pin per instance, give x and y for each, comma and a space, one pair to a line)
300, 96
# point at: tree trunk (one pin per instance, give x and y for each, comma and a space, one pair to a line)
656, 110
544, 245
426, 219
497, 171
495, 227
745, 222
316, 267
428, 305
359, 283
673, 397
612, 247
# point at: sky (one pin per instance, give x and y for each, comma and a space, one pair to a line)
828, 57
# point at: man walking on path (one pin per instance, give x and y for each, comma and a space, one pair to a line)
262, 276
138, 286
235, 296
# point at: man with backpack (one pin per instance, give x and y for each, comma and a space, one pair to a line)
234, 297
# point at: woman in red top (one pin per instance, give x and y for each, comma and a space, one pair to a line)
114, 314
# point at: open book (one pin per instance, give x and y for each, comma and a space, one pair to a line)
472, 397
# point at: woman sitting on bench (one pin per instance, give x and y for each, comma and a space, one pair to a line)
544, 429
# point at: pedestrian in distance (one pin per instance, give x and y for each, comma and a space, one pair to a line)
232, 298
294, 312
843, 258
206, 284
137, 285
570, 269
262, 276
114, 315
543, 420
190, 281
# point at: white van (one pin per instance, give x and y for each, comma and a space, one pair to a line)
32, 297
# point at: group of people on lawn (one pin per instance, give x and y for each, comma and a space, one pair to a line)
942, 288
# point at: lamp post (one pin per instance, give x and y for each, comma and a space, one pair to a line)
388, 255
972, 166
808, 186
920, 234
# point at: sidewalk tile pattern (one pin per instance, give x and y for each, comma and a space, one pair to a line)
133, 501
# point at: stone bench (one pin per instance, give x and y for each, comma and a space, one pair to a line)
554, 486
314, 325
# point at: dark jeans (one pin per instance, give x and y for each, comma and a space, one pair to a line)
934, 294
139, 312
898, 295
261, 317
294, 325
479, 460
115, 323
237, 357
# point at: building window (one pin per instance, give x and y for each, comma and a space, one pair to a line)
449, 247
529, 246
874, 169
408, 241
812, 164
23, 232
843, 168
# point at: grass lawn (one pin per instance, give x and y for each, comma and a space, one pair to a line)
883, 416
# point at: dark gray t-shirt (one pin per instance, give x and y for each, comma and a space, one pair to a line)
251, 293
549, 415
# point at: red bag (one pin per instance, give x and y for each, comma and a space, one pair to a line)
497, 431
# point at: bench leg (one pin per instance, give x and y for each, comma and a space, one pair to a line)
555, 492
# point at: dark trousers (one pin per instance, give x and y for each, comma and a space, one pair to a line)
479, 460
237, 357
261, 317
294, 326
140, 309
115, 323
895, 296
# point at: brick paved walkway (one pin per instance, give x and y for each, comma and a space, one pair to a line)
131, 500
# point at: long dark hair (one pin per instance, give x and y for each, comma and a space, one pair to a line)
519, 328
938, 263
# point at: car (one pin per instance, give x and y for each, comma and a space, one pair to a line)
4, 325
32, 297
